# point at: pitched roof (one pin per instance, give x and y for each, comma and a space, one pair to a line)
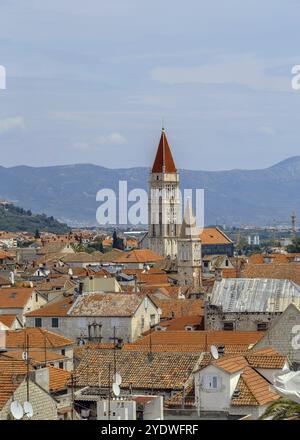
58, 379
38, 338
107, 304
178, 307
139, 256
14, 298
38, 356
202, 338
56, 309
12, 374
254, 295
7, 320
163, 162
280, 271
82, 257
168, 370
214, 236
254, 390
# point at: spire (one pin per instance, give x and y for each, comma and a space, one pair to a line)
163, 162
189, 228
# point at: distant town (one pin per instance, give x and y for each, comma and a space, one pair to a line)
166, 322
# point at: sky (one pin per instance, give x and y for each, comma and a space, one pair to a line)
91, 82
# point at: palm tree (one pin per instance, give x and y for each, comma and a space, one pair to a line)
282, 409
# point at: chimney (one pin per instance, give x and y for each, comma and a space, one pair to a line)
41, 377
80, 290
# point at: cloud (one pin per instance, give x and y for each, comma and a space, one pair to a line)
243, 70
11, 124
111, 139
267, 130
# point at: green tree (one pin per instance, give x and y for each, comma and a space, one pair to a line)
37, 234
295, 246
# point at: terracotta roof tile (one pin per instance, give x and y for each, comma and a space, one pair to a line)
56, 309
214, 236
38, 338
139, 256
168, 370
14, 298
58, 379
7, 320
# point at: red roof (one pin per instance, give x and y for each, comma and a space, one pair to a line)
164, 162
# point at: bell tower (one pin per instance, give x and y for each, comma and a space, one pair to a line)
164, 202
189, 251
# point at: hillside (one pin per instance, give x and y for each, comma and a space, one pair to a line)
233, 197
13, 219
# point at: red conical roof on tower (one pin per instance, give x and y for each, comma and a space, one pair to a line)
163, 162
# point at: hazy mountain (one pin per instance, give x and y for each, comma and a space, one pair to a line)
231, 197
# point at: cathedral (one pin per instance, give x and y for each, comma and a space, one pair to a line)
166, 235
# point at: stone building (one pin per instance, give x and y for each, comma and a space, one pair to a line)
248, 304
164, 202
98, 317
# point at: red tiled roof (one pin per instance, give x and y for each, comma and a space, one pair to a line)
7, 320
139, 256
164, 162
58, 379
37, 337
14, 298
214, 236
56, 309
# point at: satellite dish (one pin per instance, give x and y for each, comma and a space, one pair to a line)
16, 409
117, 378
28, 410
116, 389
214, 352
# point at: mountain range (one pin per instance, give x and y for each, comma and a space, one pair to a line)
234, 197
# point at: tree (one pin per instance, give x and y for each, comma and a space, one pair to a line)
117, 243
37, 234
295, 246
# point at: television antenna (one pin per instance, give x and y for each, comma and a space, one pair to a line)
214, 352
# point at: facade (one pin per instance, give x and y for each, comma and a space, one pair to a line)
43, 404
238, 385
284, 334
98, 317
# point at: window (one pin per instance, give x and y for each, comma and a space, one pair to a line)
211, 382
61, 365
38, 322
262, 326
63, 352
142, 321
228, 326
152, 320
54, 323
36, 297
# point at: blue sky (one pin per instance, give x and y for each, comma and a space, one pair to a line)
90, 81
